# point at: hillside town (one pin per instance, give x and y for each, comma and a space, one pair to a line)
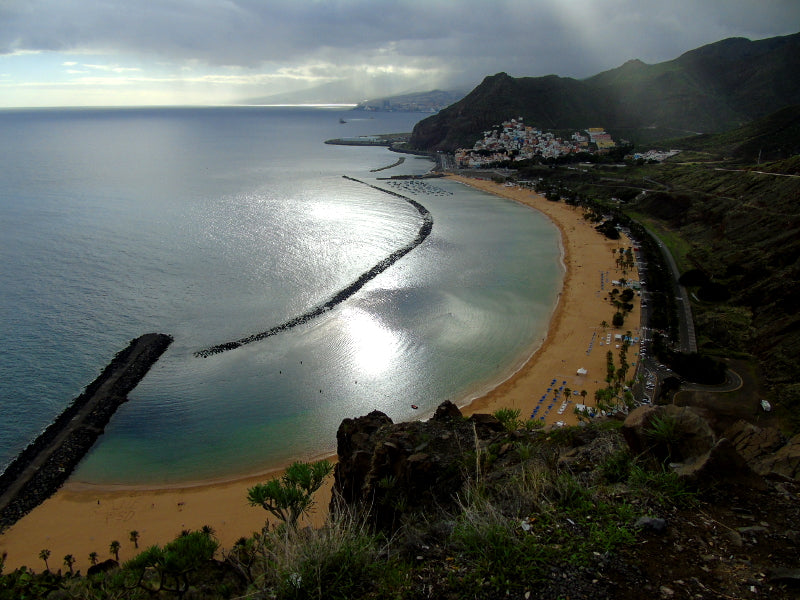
516, 142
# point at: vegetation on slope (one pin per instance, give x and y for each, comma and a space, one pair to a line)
734, 229
566, 513
711, 89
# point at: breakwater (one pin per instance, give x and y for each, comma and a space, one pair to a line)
47, 462
424, 231
396, 163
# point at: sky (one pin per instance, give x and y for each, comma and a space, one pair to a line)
186, 52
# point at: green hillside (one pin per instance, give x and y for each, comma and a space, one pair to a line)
711, 89
735, 225
774, 137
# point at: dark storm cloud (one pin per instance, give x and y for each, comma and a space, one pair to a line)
455, 39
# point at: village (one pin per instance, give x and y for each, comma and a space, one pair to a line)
516, 142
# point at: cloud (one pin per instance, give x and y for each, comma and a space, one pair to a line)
431, 43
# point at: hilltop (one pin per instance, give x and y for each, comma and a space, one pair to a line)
707, 90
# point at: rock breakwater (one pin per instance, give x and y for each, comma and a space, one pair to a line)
424, 231
42, 467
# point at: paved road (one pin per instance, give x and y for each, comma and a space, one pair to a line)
687, 338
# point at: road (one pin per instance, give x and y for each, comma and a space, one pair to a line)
687, 339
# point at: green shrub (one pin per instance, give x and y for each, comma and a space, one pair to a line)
617, 467
509, 417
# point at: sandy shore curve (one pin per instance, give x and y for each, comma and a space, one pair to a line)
80, 519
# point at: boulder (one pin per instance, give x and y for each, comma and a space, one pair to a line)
687, 435
355, 445
102, 567
390, 469
753, 442
783, 464
721, 464
486, 425
447, 410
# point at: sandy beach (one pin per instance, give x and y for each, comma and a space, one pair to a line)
80, 519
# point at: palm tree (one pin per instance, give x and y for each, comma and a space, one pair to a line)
93, 558
44, 555
208, 530
69, 560
114, 549
135, 538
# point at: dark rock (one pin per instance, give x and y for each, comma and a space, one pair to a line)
752, 530
102, 567
355, 445
753, 442
390, 469
654, 524
691, 434
784, 575
447, 410
721, 464
486, 424
785, 463
734, 537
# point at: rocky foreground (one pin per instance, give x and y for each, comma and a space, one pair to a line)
660, 506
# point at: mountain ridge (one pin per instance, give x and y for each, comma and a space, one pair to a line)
706, 90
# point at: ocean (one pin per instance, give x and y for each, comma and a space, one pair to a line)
212, 224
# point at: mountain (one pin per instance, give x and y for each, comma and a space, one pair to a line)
334, 92
711, 89
432, 101
773, 137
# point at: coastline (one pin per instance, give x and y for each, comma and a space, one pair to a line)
160, 514
573, 340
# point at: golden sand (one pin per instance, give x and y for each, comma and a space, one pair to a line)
81, 519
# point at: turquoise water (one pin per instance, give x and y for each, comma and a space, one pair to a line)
213, 224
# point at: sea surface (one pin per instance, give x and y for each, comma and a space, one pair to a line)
211, 224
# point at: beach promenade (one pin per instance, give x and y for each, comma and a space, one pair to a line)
80, 519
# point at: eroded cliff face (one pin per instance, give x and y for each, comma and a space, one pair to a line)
389, 469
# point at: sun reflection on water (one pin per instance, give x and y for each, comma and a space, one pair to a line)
373, 346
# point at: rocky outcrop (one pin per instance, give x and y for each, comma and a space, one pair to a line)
682, 437
671, 433
389, 469
785, 463
753, 442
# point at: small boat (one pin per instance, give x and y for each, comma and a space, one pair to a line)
414, 406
